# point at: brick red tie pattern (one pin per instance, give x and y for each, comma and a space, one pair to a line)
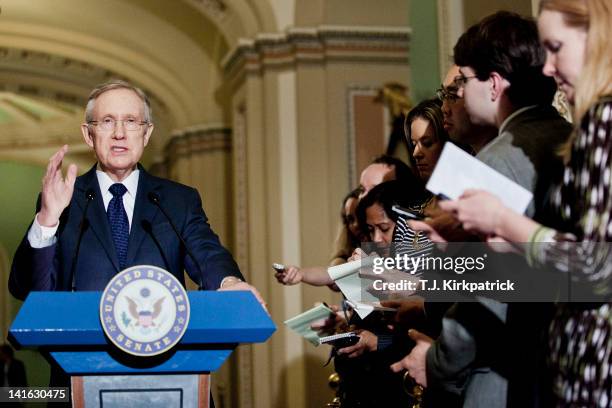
117, 217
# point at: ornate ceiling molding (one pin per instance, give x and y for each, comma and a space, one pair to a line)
214, 8
237, 18
318, 45
53, 83
219, 14
43, 62
28, 62
82, 60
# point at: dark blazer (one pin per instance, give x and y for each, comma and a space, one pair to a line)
152, 241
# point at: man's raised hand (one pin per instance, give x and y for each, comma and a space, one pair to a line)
56, 190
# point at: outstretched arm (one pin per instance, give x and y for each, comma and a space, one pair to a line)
34, 262
314, 275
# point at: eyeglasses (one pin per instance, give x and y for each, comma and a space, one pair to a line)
447, 93
461, 80
108, 124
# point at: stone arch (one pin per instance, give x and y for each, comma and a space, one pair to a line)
238, 18
59, 52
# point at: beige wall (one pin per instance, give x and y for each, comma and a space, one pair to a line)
474, 10
353, 12
292, 167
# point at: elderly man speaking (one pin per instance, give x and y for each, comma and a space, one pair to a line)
116, 215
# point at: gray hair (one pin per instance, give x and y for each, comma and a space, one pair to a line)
117, 84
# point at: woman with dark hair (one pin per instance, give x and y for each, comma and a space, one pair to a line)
406, 190
377, 221
367, 380
375, 216
426, 136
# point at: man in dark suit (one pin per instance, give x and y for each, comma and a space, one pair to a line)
88, 228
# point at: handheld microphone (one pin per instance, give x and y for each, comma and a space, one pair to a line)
155, 199
89, 195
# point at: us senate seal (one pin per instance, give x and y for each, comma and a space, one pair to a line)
144, 310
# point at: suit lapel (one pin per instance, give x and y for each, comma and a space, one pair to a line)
96, 214
144, 211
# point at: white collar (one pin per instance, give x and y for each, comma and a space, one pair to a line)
130, 182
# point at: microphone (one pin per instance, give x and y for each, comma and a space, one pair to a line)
146, 225
155, 199
89, 196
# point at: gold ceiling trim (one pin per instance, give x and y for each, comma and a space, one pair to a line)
321, 44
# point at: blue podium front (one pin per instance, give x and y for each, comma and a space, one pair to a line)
66, 326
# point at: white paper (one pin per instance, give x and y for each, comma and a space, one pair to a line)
301, 323
364, 309
349, 268
457, 171
346, 276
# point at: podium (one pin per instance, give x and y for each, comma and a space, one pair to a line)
66, 326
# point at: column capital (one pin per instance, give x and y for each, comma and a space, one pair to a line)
318, 45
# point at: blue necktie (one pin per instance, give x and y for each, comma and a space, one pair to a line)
117, 217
